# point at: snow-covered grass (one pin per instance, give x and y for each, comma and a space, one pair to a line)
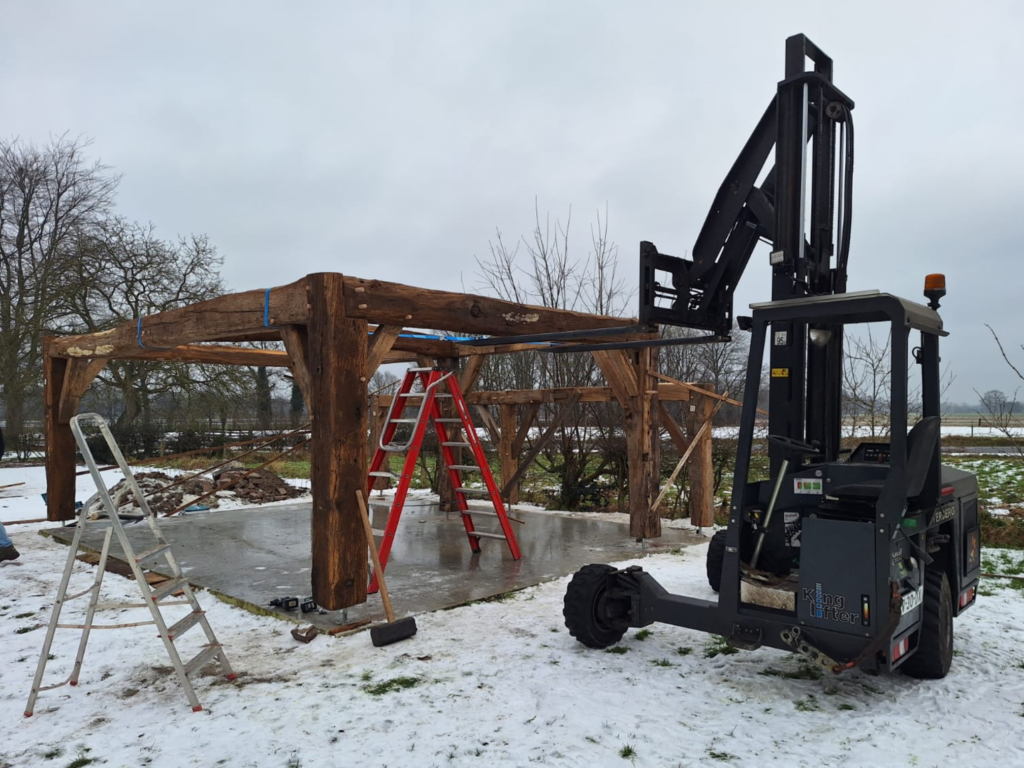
25, 502
498, 682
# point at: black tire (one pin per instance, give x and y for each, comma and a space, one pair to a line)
716, 560
935, 640
582, 596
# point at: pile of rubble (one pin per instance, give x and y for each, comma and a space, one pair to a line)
259, 487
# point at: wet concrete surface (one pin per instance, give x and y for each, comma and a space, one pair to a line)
257, 554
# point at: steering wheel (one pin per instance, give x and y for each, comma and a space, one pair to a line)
793, 447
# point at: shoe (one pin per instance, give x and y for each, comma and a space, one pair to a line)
9, 553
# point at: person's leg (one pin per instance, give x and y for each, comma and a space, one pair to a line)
7, 550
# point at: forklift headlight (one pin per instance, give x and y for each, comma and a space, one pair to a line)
820, 336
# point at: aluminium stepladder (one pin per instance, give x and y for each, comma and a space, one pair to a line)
432, 381
153, 598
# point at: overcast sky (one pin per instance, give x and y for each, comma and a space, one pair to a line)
389, 140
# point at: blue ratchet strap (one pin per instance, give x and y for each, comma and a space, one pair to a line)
266, 310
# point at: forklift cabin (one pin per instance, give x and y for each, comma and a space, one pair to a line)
851, 560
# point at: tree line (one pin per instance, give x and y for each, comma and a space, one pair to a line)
70, 264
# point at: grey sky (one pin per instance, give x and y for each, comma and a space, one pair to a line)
389, 140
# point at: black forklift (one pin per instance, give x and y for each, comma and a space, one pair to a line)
857, 558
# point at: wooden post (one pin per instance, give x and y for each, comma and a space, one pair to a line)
60, 443
337, 363
629, 376
507, 455
701, 470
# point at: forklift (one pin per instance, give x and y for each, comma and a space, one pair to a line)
855, 558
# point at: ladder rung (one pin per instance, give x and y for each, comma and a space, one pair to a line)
474, 491
382, 473
456, 445
377, 532
181, 627
447, 420
465, 467
168, 587
152, 553
202, 658
479, 512
404, 421
419, 370
420, 394
486, 535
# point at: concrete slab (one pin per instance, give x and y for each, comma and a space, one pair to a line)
257, 554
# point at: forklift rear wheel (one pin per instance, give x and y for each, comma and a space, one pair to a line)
935, 640
583, 598
716, 560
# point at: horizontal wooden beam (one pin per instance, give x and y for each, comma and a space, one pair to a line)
382, 302
669, 392
230, 315
707, 393
212, 353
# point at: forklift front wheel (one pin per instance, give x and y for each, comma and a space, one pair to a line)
583, 606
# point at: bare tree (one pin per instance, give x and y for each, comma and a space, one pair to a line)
543, 269
122, 271
867, 381
1000, 408
48, 194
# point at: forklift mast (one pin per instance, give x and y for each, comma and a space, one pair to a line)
803, 208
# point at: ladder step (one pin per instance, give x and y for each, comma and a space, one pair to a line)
465, 467
202, 658
181, 627
382, 473
449, 420
479, 512
168, 587
419, 370
377, 532
456, 445
473, 491
153, 552
485, 535
420, 394
404, 421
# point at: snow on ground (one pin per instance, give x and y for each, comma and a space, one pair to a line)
497, 683
25, 502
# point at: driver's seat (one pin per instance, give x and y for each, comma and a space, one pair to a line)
922, 441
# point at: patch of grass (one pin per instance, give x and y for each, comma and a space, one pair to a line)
846, 707
643, 634
803, 672
53, 753
619, 649
294, 762
81, 761
662, 663
367, 676
394, 684
718, 647
810, 704
23, 630
627, 752
684, 650
25, 615
716, 754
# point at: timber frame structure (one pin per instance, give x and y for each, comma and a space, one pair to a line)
337, 330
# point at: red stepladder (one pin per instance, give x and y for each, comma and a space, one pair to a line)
437, 384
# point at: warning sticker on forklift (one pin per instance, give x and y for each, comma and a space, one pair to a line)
780, 373
807, 485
